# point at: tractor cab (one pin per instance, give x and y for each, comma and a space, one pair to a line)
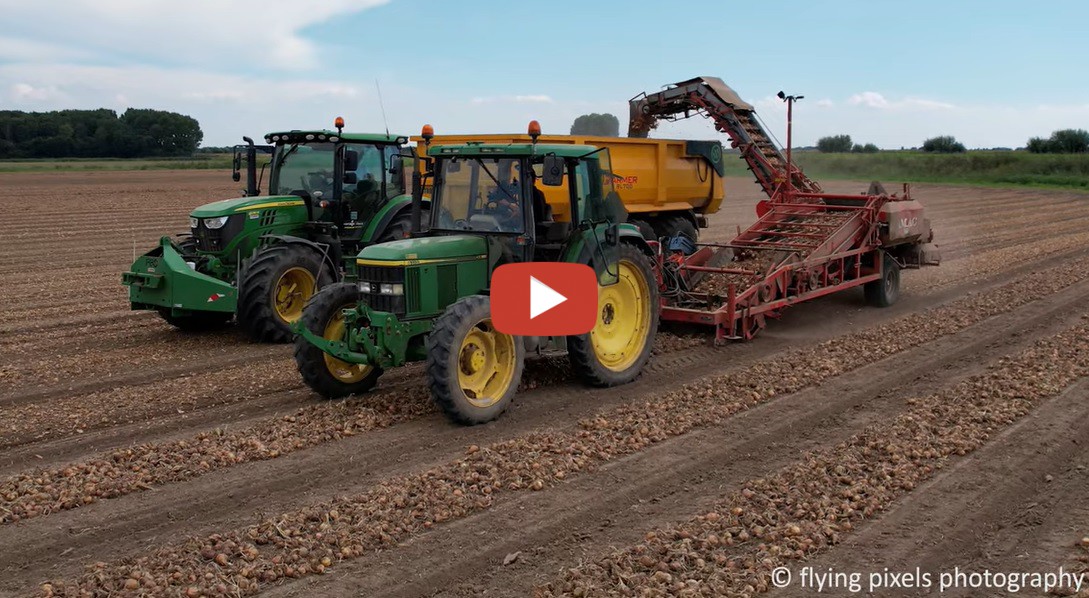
494, 191
343, 178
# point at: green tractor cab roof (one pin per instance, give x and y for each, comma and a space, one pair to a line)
333, 136
513, 149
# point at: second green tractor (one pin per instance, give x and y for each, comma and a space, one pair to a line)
426, 297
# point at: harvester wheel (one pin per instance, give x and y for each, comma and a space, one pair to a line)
671, 226
884, 292
400, 226
201, 321
644, 228
618, 347
472, 368
327, 375
274, 286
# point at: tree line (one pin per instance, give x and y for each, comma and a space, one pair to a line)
1065, 141
137, 133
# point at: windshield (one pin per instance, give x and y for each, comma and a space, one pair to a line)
479, 194
309, 167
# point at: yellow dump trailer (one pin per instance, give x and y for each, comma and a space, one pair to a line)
669, 186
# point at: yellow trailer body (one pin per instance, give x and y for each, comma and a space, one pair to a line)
654, 177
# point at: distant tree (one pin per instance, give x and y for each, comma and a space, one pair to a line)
1063, 141
946, 144
97, 134
835, 144
869, 148
600, 125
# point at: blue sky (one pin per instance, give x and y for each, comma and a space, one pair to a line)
992, 73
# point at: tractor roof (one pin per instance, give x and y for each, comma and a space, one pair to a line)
327, 135
511, 149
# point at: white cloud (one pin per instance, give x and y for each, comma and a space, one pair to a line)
825, 103
517, 99
228, 32
22, 93
872, 99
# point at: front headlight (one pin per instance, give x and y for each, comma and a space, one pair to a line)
215, 223
391, 289
194, 222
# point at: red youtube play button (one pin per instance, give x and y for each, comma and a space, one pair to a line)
544, 299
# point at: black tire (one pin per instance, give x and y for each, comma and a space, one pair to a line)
884, 292
400, 226
581, 353
258, 284
201, 321
446, 354
316, 369
644, 228
676, 224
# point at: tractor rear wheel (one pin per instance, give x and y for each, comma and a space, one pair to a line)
199, 321
674, 225
327, 375
274, 286
884, 292
400, 226
618, 347
472, 368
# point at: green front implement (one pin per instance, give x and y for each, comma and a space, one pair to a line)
161, 278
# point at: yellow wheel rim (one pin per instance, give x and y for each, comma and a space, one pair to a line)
348, 373
486, 363
623, 323
291, 293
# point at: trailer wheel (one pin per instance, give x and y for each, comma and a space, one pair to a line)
644, 228
274, 287
200, 321
675, 224
472, 368
618, 347
400, 226
327, 375
884, 292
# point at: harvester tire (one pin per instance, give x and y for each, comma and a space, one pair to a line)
326, 375
618, 347
644, 228
201, 321
673, 225
473, 370
399, 227
884, 292
277, 280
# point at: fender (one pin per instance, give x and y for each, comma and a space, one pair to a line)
577, 250
324, 250
390, 210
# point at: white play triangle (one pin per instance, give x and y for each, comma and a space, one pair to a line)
542, 298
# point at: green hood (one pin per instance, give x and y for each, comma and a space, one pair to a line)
227, 207
447, 248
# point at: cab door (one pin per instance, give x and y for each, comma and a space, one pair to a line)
595, 199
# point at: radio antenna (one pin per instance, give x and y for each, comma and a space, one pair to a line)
382, 106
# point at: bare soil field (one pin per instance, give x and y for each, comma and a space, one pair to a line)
950, 430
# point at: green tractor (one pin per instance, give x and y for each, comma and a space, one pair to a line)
426, 298
259, 258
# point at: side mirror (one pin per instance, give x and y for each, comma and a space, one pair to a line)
396, 166
236, 166
552, 173
351, 160
350, 178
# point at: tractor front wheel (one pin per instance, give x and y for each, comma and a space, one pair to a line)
327, 375
472, 368
400, 226
274, 286
618, 347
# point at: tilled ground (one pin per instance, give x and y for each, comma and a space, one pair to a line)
950, 429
